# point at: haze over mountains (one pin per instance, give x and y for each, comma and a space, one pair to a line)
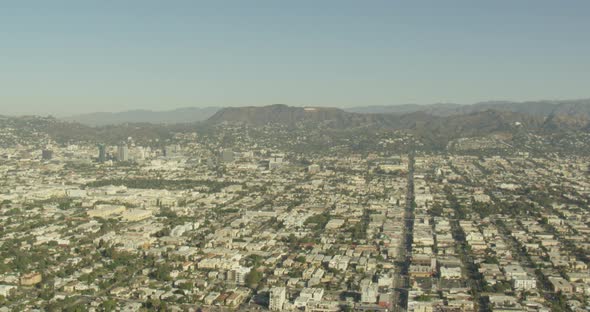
576, 111
179, 115
434, 125
542, 108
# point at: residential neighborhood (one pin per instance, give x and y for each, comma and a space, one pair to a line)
194, 227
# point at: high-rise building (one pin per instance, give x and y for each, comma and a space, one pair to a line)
122, 152
102, 153
139, 153
47, 154
278, 295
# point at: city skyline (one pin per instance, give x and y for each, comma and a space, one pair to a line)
317, 156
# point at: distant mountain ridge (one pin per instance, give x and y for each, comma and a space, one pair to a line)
288, 115
180, 115
541, 108
436, 129
339, 118
566, 111
479, 119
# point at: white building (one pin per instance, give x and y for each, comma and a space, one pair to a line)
450, 273
278, 296
123, 152
369, 293
308, 295
7, 290
240, 274
524, 283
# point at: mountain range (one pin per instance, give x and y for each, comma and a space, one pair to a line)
540, 108
573, 112
570, 115
467, 124
180, 115
435, 125
436, 130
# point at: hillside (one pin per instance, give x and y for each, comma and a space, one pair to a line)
570, 113
289, 116
487, 120
181, 115
435, 129
540, 108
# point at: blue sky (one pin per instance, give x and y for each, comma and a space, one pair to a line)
68, 57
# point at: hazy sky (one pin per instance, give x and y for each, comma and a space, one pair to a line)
67, 57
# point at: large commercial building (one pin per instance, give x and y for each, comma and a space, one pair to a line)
136, 214
102, 153
104, 211
122, 152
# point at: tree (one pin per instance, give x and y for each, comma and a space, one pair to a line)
109, 305
162, 273
300, 259
253, 278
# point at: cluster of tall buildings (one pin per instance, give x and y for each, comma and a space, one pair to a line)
122, 153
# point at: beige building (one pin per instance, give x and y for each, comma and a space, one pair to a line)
136, 214
105, 211
31, 279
